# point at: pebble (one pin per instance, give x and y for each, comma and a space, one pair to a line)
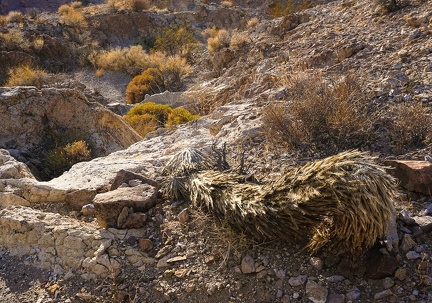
354, 294
335, 298
247, 264
297, 281
412, 255
315, 292
316, 263
383, 294
145, 244
388, 283
407, 243
401, 274
335, 278
280, 274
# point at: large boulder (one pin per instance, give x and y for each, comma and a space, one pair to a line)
413, 175
32, 118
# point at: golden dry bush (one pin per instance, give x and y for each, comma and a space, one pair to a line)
281, 8
149, 81
227, 3
411, 125
62, 158
26, 76
252, 22
328, 115
13, 39
239, 40
217, 39
15, 17
72, 17
133, 5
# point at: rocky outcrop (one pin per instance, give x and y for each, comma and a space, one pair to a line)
33, 120
413, 175
50, 5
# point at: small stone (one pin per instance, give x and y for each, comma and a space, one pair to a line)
425, 223
335, 278
285, 299
316, 263
279, 294
428, 210
261, 274
190, 287
183, 216
383, 294
162, 263
296, 295
335, 298
145, 244
315, 292
280, 274
354, 294
180, 273
388, 283
260, 268
401, 274
406, 217
248, 265
176, 259
88, 210
407, 243
412, 255
297, 281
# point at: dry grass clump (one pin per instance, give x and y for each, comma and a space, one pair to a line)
319, 114
217, 39
13, 39
343, 203
133, 5
281, 8
15, 17
392, 5
239, 40
227, 3
71, 16
252, 22
26, 76
134, 60
411, 125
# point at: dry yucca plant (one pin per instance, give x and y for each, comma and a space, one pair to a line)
342, 203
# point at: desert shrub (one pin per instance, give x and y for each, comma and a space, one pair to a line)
411, 126
149, 116
285, 7
76, 4
180, 116
252, 22
326, 115
26, 76
217, 39
15, 17
13, 40
392, 5
134, 5
238, 40
176, 40
227, 3
72, 17
148, 82
60, 159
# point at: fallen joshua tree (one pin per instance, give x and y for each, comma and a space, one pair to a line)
343, 203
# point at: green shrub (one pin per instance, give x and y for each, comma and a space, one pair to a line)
149, 116
176, 40
60, 159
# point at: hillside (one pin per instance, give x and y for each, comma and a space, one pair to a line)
264, 89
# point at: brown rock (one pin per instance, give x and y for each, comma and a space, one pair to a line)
124, 176
77, 199
145, 244
407, 243
247, 264
109, 205
134, 220
381, 266
413, 175
401, 274
425, 223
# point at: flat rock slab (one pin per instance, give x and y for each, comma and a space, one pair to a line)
413, 175
109, 205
